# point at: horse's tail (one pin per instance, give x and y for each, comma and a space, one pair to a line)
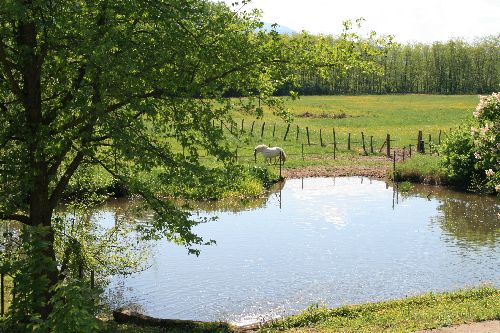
283, 155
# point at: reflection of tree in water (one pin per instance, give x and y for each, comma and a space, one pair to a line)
473, 221
469, 218
237, 205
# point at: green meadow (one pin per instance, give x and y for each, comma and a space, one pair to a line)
401, 116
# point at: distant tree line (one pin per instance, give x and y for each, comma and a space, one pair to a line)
454, 67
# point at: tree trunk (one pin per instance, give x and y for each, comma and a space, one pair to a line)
40, 211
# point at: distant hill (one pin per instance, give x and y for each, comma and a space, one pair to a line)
280, 29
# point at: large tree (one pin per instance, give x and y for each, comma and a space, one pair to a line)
123, 85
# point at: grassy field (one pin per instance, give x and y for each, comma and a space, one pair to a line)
401, 116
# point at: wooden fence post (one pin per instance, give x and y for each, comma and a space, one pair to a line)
302, 152
334, 144
274, 129
410, 150
308, 141
251, 131
297, 135
420, 143
404, 148
286, 133
348, 141
320, 138
388, 145
371, 144
439, 138
262, 129
363, 140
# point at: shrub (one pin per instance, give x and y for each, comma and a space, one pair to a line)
470, 155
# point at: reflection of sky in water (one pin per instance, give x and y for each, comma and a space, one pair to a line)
333, 241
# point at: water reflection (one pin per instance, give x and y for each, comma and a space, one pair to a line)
330, 240
467, 218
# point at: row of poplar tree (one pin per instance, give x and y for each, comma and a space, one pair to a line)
454, 67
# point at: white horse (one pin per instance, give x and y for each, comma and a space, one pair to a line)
270, 152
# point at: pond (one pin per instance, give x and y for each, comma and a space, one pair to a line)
331, 241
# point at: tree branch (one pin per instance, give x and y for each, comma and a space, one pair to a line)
64, 180
8, 66
24, 219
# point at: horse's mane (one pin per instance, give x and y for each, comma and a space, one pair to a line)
261, 146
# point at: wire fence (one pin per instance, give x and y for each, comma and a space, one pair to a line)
303, 142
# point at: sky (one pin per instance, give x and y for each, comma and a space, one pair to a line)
409, 21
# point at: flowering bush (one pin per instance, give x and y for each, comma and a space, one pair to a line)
470, 157
486, 139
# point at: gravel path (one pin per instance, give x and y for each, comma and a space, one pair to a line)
492, 326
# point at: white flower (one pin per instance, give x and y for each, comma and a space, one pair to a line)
489, 173
477, 155
497, 188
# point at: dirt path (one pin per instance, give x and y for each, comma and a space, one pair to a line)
336, 171
492, 326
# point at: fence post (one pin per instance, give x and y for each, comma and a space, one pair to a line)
302, 152
404, 148
334, 143
320, 138
388, 145
410, 150
274, 129
297, 135
371, 144
363, 140
262, 129
286, 133
430, 137
420, 143
308, 141
439, 138
251, 130
348, 141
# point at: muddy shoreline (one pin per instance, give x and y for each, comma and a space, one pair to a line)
336, 171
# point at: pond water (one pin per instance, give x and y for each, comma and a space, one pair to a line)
331, 241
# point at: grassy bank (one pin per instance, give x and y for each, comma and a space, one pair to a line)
410, 314
421, 169
405, 315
